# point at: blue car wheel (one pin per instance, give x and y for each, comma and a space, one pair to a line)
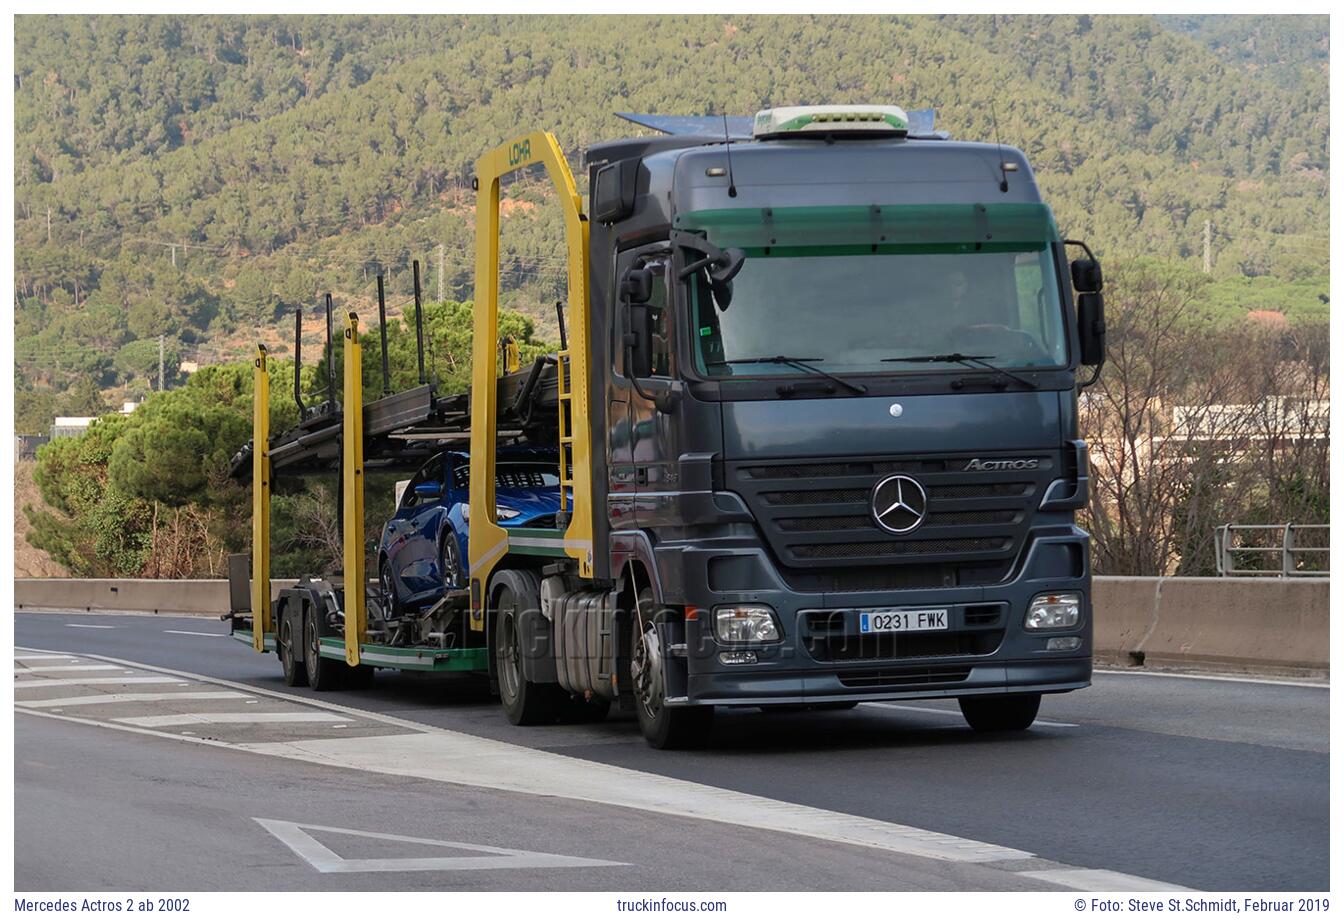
450, 561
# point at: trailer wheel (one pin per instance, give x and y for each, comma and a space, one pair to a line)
295, 676
1000, 713
525, 702
323, 673
664, 727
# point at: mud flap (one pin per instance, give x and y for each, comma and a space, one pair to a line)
672, 634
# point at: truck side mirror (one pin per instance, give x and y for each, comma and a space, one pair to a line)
1086, 275
636, 291
1091, 328
637, 285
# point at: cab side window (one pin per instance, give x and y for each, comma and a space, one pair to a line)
659, 311
660, 319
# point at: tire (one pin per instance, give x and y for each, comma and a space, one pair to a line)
664, 727
295, 676
323, 673
525, 702
450, 561
1000, 713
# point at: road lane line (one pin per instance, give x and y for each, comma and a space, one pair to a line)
188, 632
956, 713
229, 718
99, 699
79, 682
46, 657
1314, 685
461, 759
1100, 880
45, 668
87, 626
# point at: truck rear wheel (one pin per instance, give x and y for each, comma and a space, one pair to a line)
295, 676
1000, 713
323, 673
525, 702
664, 727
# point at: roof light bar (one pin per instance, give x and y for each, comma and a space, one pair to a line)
827, 119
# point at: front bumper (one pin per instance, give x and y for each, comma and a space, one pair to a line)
977, 655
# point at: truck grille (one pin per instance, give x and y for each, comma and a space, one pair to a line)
817, 519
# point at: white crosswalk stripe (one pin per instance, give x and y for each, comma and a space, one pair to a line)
45, 668
230, 718
103, 699
77, 682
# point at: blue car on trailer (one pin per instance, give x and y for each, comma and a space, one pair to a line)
424, 544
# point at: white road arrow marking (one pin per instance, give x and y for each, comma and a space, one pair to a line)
323, 859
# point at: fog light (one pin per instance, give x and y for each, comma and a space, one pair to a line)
1063, 644
1054, 611
745, 623
742, 656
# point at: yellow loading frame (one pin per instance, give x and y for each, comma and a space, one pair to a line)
487, 541
352, 495
261, 500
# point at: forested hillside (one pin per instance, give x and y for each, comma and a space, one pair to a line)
196, 177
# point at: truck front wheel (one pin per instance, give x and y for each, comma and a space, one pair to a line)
1000, 713
664, 727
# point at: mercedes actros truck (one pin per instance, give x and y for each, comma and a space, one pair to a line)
816, 421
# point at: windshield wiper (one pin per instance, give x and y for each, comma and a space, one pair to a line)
800, 363
978, 362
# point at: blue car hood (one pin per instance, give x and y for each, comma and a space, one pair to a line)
530, 503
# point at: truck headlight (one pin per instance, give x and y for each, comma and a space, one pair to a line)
1054, 611
746, 623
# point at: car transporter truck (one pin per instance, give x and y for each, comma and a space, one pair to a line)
814, 416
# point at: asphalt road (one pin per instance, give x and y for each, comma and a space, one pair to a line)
1206, 784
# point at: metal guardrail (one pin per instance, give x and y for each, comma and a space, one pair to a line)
1241, 550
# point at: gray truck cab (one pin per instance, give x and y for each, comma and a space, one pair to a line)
838, 367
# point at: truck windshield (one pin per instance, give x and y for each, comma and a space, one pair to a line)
855, 288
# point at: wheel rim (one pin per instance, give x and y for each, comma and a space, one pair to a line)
286, 645
448, 561
310, 639
385, 586
641, 670
509, 677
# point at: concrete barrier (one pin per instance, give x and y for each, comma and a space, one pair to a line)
193, 597
1252, 623
1261, 623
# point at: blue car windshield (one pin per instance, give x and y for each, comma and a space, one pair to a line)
515, 476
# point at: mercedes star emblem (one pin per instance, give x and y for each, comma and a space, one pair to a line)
899, 504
